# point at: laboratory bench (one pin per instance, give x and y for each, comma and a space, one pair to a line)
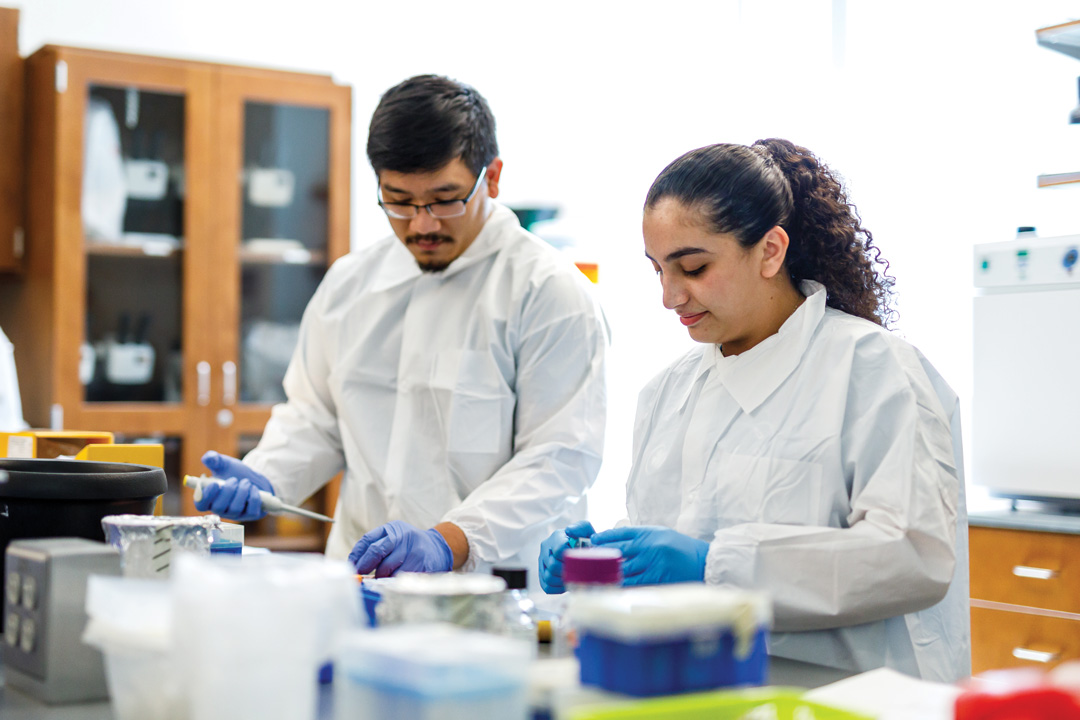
1031, 519
1025, 588
15, 705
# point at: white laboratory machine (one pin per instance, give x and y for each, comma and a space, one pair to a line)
1026, 404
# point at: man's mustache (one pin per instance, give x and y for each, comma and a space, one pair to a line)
430, 237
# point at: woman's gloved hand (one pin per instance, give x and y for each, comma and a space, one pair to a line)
551, 552
654, 555
399, 546
238, 498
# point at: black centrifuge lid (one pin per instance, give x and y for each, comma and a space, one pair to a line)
79, 480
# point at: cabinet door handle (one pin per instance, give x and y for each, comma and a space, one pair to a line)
1038, 656
202, 371
1025, 571
228, 395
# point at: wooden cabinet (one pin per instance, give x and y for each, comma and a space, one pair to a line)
180, 216
1025, 598
11, 143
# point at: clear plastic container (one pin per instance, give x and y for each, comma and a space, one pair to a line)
469, 600
130, 621
251, 636
430, 672
148, 543
228, 538
519, 611
668, 639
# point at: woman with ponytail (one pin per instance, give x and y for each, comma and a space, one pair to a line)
801, 449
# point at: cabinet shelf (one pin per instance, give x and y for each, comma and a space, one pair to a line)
290, 256
1063, 38
160, 249
1058, 179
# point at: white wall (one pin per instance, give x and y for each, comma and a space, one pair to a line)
939, 112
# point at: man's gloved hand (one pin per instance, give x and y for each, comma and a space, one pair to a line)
238, 499
551, 552
399, 546
653, 555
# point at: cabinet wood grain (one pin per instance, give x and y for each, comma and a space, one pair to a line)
1012, 638
11, 143
1025, 598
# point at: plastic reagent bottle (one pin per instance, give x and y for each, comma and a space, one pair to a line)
519, 609
585, 571
592, 568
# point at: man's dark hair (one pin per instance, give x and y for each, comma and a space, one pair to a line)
426, 122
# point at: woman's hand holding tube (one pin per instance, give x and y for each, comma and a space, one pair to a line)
551, 552
654, 555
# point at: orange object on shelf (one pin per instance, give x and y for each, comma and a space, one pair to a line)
591, 270
49, 443
137, 453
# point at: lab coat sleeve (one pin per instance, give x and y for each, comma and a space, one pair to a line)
558, 425
897, 554
301, 449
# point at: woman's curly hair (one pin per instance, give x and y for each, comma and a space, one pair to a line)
746, 191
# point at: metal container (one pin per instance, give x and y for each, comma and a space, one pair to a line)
147, 543
469, 600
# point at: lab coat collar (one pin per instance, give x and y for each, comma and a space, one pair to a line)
706, 362
751, 377
400, 266
754, 375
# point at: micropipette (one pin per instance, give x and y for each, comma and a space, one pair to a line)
270, 502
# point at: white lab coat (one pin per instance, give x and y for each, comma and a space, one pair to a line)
475, 395
823, 465
11, 417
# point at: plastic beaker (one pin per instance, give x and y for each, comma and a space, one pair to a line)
252, 635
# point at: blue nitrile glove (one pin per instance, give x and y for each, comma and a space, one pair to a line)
551, 552
653, 555
238, 499
400, 546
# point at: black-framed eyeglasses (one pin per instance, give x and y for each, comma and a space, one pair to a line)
442, 209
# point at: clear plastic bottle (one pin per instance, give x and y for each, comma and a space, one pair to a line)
586, 570
519, 609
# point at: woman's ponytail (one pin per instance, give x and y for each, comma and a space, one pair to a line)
828, 242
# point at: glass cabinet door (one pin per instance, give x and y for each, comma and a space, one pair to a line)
132, 214
284, 248
282, 201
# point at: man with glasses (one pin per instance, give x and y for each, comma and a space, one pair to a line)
454, 370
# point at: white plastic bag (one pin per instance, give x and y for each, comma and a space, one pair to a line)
104, 191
